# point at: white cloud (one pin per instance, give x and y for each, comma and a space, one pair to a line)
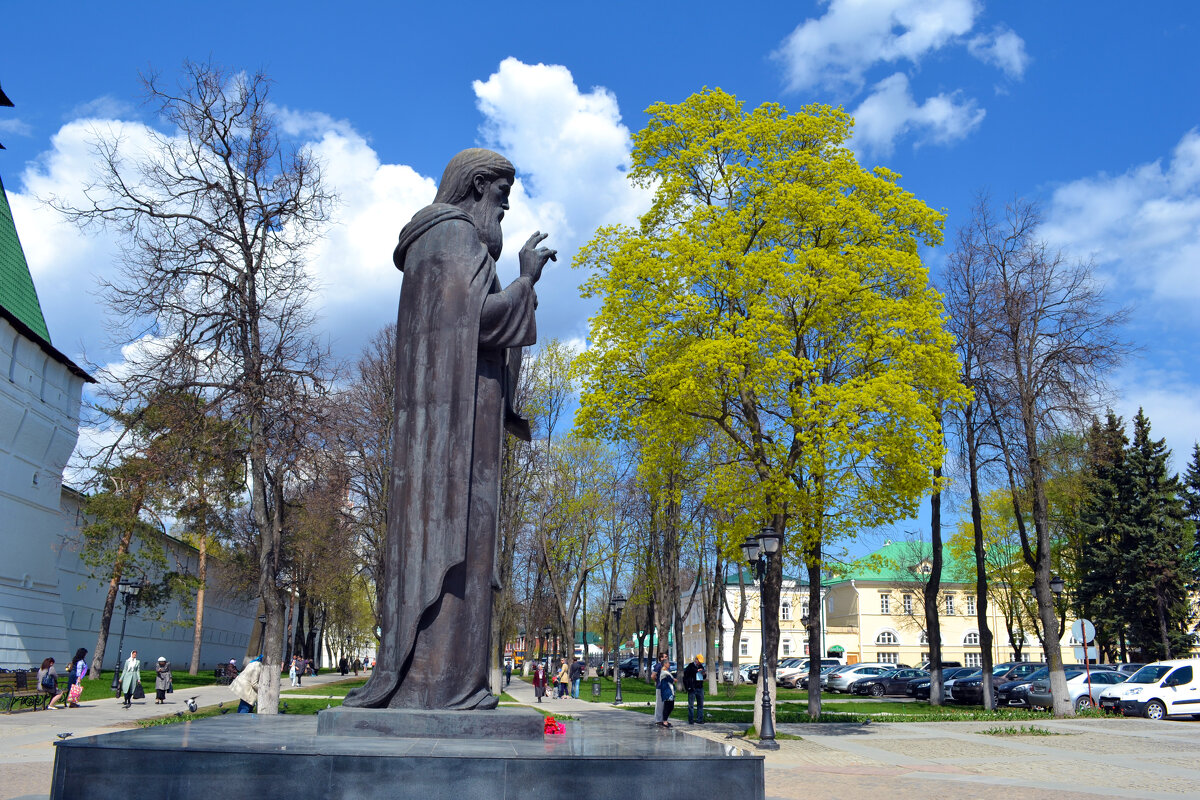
1142, 228
104, 107
1002, 48
890, 112
569, 146
836, 50
15, 126
1169, 400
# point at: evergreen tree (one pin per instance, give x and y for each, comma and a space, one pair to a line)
1158, 556
1103, 590
1191, 502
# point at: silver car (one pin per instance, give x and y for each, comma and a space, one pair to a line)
1077, 685
841, 678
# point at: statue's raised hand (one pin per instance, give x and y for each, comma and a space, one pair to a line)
534, 258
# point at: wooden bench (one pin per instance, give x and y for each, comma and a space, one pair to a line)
20, 687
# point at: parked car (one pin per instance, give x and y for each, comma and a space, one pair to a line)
1077, 687
839, 680
1158, 690
970, 690
786, 667
802, 683
1128, 669
945, 665
893, 682
1015, 693
948, 685
919, 688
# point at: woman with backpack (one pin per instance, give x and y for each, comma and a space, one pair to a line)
47, 678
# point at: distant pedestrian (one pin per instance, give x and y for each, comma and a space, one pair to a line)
539, 681
693, 684
296, 670
47, 681
131, 679
163, 682
79, 669
564, 679
356, 665
507, 674
658, 701
343, 666
578, 668
666, 691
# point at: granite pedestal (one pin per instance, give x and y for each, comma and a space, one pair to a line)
245, 755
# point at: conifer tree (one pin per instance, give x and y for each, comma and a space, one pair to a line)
1191, 503
1160, 543
1102, 594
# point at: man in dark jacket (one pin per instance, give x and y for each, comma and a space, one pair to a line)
577, 670
693, 682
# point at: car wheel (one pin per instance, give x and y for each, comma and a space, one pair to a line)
1155, 710
877, 691
1084, 701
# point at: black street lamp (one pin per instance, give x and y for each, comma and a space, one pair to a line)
617, 604
758, 552
129, 594
1057, 585
546, 631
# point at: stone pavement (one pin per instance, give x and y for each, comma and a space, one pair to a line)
1125, 758
1116, 757
27, 737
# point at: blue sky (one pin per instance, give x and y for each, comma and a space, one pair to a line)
1091, 109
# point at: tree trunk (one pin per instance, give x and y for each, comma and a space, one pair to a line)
815, 650
202, 577
110, 600
981, 576
932, 622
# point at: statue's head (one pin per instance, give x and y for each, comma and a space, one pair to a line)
478, 181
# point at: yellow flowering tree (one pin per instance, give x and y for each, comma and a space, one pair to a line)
775, 295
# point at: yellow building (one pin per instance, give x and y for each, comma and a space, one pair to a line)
872, 611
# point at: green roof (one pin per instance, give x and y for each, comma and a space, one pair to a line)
748, 578
17, 295
900, 561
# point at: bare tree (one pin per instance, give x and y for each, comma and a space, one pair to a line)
1044, 351
217, 216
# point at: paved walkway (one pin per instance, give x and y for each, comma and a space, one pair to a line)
27, 737
1087, 759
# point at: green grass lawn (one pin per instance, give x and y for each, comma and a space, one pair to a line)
635, 690
339, 689
100, 688
878, 711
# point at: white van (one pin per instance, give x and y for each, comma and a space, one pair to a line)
1158, 690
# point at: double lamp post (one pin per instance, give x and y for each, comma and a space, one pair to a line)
129, 595
758, 551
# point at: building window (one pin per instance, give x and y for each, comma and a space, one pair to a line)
950, 604
924, 638
787, 647
926, 569
805, 648
885, 604
973, 660
971, 604
804, 609
971, 639
925, 656
907, 604
745, 648
886, 637
889, 658
785, 609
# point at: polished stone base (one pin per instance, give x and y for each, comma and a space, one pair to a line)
502, 723
246, 755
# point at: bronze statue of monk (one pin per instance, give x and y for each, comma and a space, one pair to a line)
458, 350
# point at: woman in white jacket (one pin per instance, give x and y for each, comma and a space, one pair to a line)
245, 685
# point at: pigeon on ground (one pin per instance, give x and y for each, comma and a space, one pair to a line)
179, 713
191, 704
866, 722
63, 735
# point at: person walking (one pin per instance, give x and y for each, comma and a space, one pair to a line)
539, 681
564, 679
658, 701
78, 671
245, 685
294, 671
666, 691
163, 681
131, 679
693, 684
47, 681
578, 668
507, 674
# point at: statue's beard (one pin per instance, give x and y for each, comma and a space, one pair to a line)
488, 225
